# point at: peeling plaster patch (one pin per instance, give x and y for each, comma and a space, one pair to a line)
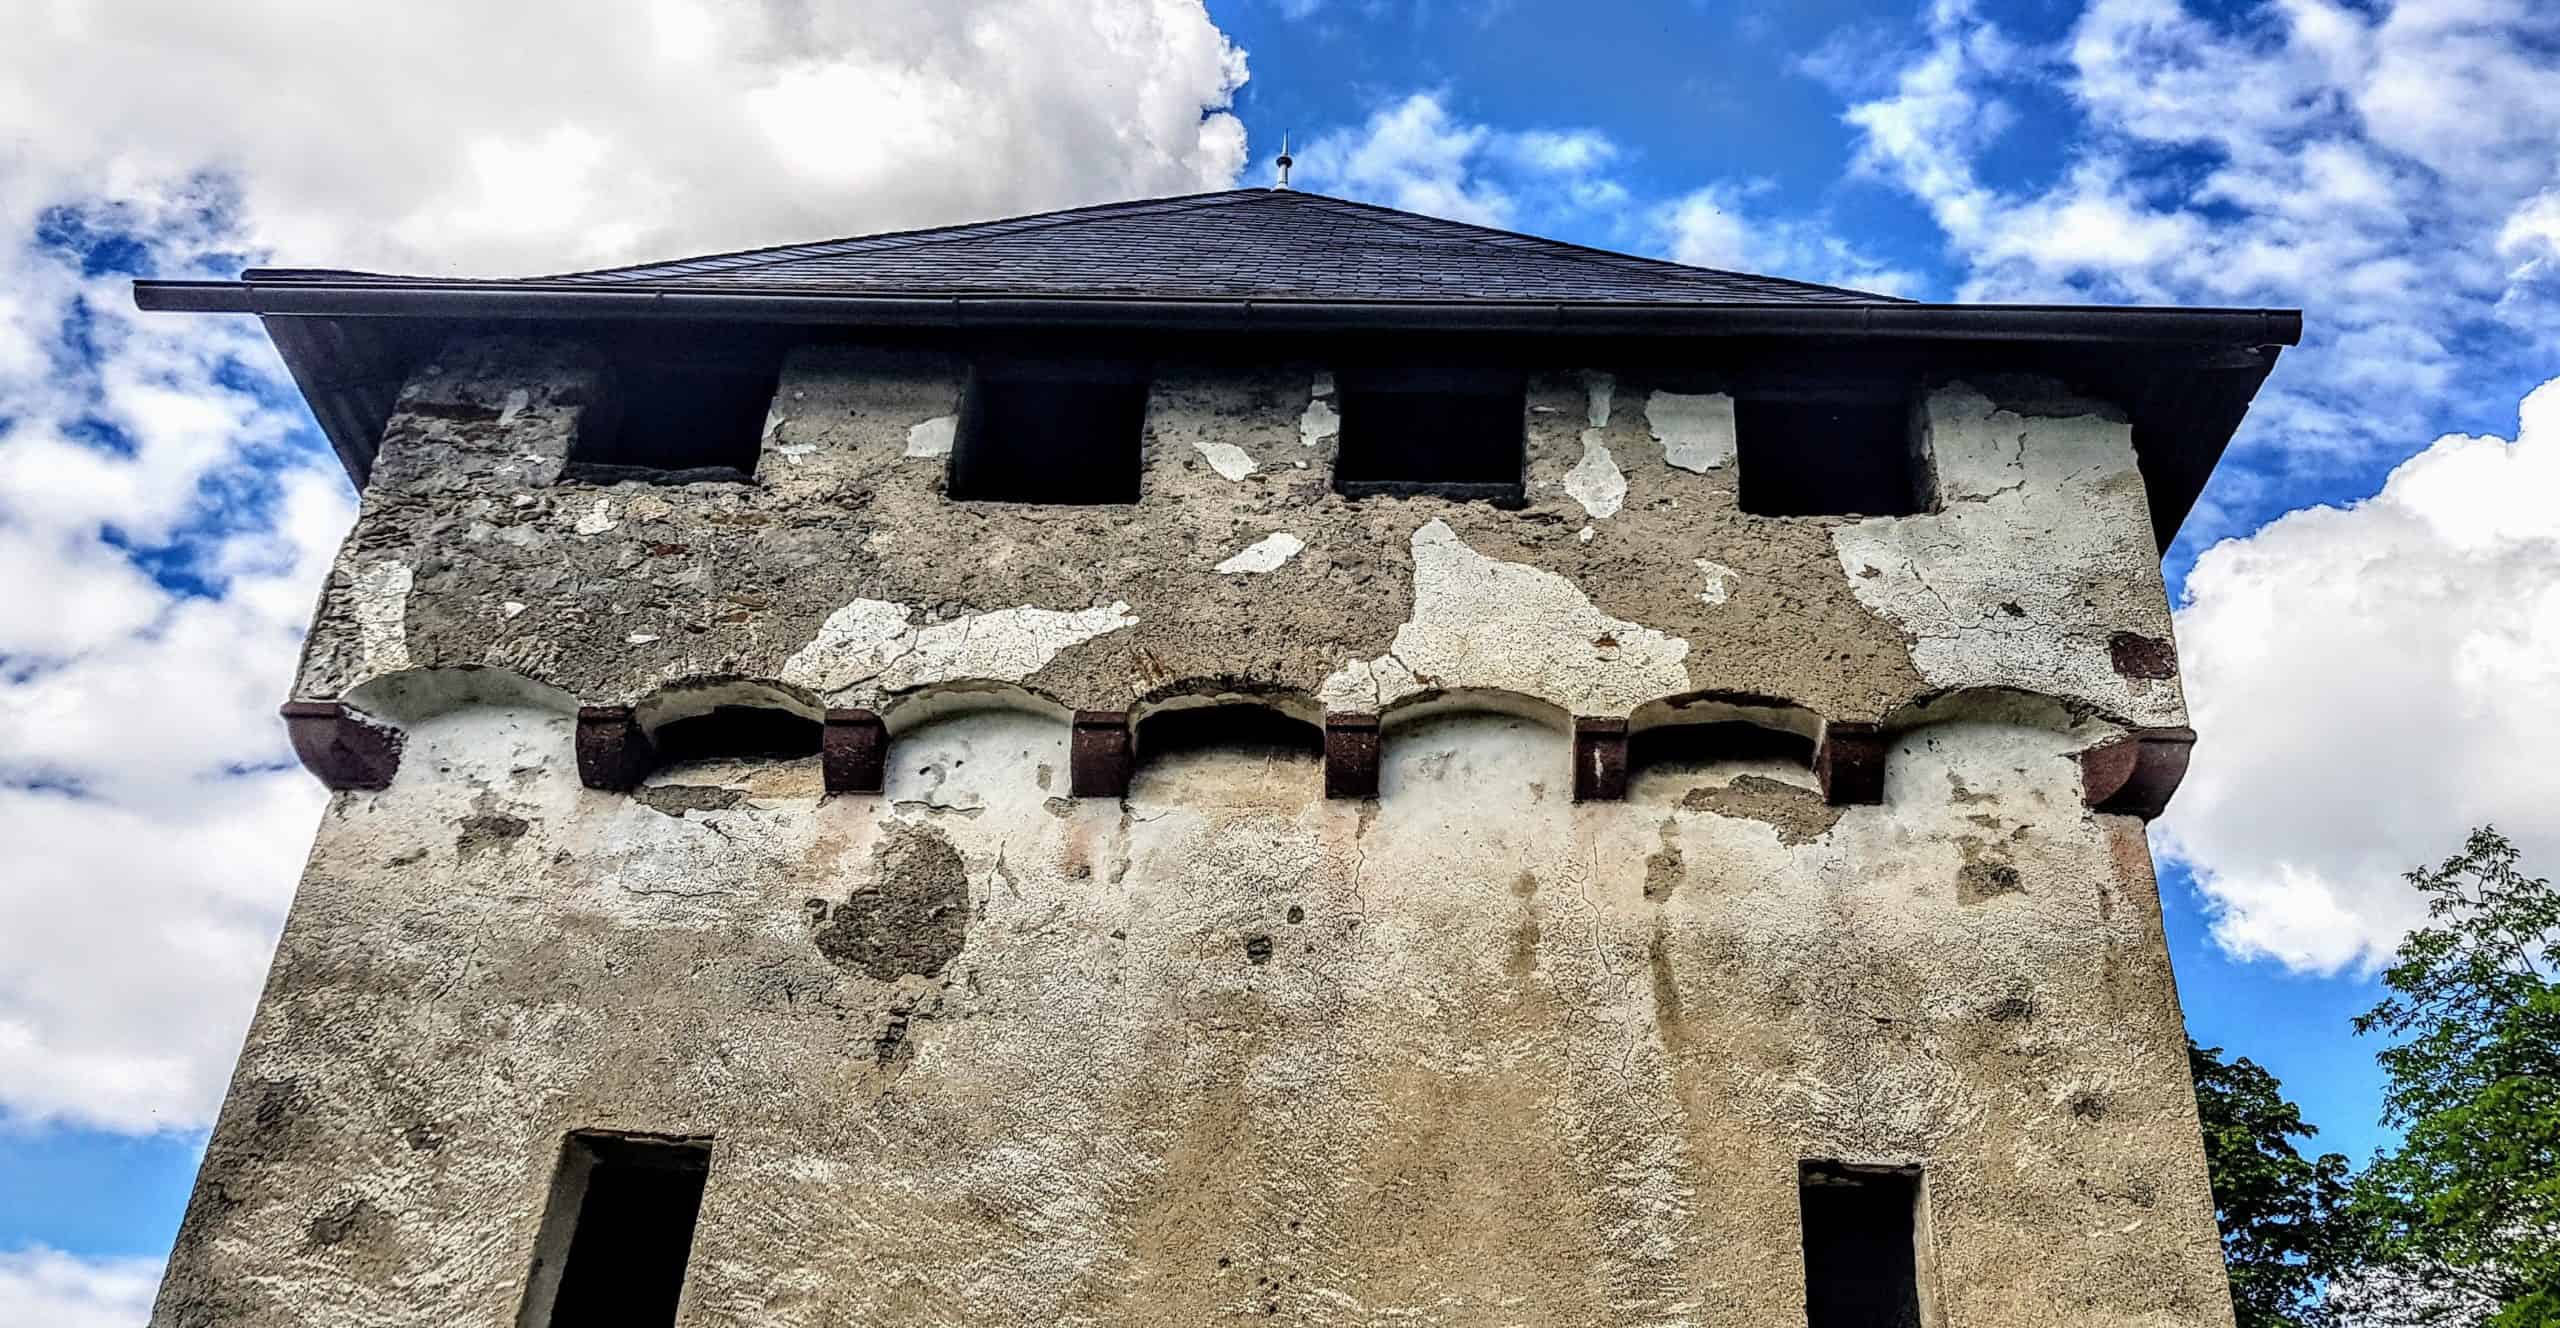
1718, 576
1696, 432
1482, 623
1595, 481
1599, 389
792, 452
516, 402
640, 638
933, 437
871, 646
381, 611
1226, 458
1980, 614
511, 608
1585, 534
599, 519
1264, 555
1320, 422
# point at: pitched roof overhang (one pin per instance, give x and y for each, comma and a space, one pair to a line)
2185, 376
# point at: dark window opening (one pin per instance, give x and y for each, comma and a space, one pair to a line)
1696, 746
1447, 434
1861, 1245
737, 732
1832, 457
1050, 433
620, 1228
676, 424
1252, 729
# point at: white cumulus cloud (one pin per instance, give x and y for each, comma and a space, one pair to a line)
165, 511
39, 1286
2370, 682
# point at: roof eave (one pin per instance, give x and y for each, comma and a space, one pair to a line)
1851, 320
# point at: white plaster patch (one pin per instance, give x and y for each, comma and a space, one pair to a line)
1585, 534
1718, 577
1482, 623
792, 452
1598, 389
640, 638
1320, 423
2041, 551
1696, 432
1595, 481
511, 608
521, 500
873, 647
381, 609
516, 402
1226, 458
599, 519
1264, 555
932, 438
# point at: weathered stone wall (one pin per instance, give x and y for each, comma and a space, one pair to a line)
976, 1052
1632, 576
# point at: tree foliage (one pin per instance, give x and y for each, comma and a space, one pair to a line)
2283, 1216
2466, 1210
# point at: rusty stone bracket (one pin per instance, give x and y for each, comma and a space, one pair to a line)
1099, 754
2135, 774
1351, 756
1849, 763
855, 751
1599, 759
613, 752
345, 748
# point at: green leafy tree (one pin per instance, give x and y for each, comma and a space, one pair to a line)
2285, 1227
2466, 1209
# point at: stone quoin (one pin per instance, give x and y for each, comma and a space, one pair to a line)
1235, 758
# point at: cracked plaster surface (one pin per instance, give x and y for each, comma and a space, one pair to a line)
871, 649
1480, 623
1696, 432
1980, 614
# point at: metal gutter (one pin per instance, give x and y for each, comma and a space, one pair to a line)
1855, 322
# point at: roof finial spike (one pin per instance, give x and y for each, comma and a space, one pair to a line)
1285, 161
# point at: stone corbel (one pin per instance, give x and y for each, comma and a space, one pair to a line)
1351, 756
1099, 755
344, 747
1848, 762
855, 751
2134, 774
614, 753
1599, 759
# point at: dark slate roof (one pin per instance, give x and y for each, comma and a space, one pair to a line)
1240, 243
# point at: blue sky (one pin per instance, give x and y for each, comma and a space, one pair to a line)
2370, 592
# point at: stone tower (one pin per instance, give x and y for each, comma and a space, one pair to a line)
1241, 758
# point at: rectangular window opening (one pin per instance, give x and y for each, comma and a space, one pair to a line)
1862, 1253
1067, 433
677, 423
618, 1232
1441, 433
1832, 456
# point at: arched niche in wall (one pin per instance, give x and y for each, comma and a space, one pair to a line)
1482, 747
2125, 768
969, 745
697, 723
1226, 749
355, 742
1685, 746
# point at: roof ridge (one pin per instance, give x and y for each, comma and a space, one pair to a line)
742, 259
1584, 252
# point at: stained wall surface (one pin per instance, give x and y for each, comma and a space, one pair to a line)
973, 1051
